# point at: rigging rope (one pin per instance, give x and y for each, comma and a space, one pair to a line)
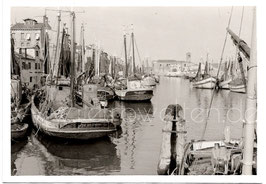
221, 59
138, 52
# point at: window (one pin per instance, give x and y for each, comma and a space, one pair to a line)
39, 66
28, 36
36, 53
37, 36
20, 51
60, 88
29, 65
23, 65
22, 36
36, 66
30, 79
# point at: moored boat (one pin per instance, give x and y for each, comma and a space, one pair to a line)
208, 83
56, 111
72, 122
205, 81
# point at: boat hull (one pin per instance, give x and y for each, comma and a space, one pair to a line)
20, 133
135, 95
149, 81
225, 84
237, 88
52, 127
208, 83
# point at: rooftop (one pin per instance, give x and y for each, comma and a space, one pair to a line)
30, 24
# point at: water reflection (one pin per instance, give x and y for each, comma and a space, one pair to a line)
135, 148
93, 157
15, 148
135, 115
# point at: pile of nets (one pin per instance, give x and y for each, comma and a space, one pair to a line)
60, 113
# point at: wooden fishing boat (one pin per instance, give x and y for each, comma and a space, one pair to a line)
205, 81
56, 112
148, 81
237, 86
19, 110
18, 130
225, 84
72, 122
132, 88
226, 78
135, 91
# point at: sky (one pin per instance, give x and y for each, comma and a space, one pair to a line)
160, 32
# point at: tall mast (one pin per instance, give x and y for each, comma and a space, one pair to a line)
251, 104
57, 43
125, 46
98, 58
82, 49
73, 51
133, 51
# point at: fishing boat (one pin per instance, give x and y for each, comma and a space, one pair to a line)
215, 157
205, 81
132, 88
237, 86
19, 111
149, 81
55, 110
226, 77
19, 103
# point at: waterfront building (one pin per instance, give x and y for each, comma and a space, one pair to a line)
30, 47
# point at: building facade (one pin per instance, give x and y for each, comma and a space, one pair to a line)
29, 47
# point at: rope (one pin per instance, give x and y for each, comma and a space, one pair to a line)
138, 51
221, 59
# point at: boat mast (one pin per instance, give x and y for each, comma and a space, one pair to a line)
57, 43
72, 79
82, 49
125, 46
251, 104
133, 50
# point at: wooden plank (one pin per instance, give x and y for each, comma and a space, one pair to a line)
165, 154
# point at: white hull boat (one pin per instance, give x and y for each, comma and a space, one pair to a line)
208, 83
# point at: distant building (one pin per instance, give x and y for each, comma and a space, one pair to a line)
162, 67
29, 47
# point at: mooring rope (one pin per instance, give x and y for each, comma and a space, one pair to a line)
221, 59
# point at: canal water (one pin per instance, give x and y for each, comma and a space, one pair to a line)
135, 149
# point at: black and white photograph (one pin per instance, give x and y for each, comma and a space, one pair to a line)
132, 90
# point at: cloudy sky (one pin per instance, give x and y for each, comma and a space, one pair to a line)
161, 32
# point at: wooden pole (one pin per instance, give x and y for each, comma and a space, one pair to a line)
73, 51
57, 41
133, 52
251, 104
125, 46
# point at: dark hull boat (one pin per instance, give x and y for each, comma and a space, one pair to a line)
74, 122
19, 131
